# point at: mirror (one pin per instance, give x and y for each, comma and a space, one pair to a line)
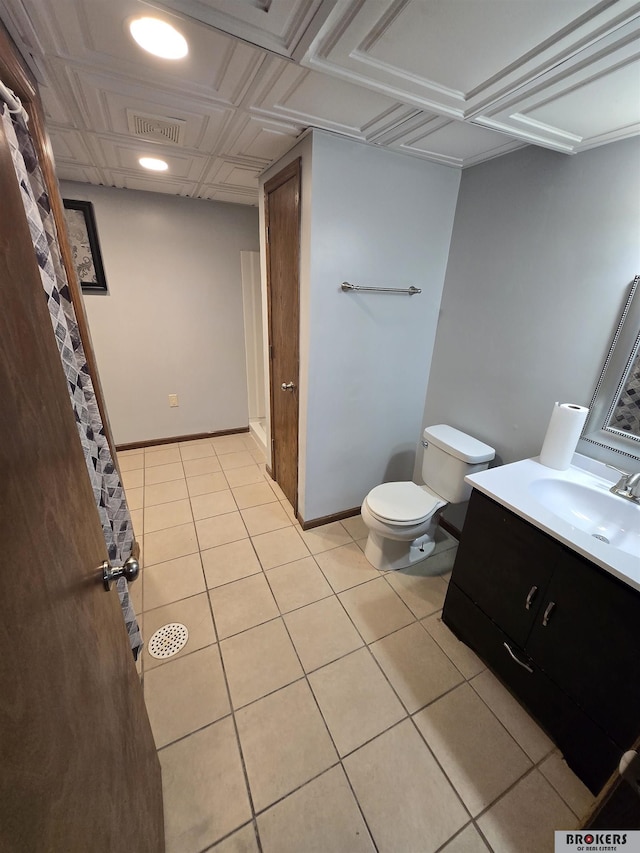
613, 425
625, 414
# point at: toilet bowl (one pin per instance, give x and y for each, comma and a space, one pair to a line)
402, 517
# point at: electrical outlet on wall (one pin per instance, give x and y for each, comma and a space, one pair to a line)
173, 400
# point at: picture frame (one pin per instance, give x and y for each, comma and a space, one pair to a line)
85, 247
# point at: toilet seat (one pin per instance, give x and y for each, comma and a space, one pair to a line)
402, 504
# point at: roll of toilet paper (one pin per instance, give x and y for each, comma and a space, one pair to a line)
563, 432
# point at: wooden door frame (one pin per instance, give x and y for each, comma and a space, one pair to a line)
292, 170
15, 73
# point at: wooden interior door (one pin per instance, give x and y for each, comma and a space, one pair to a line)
15, 74
79, 766
282, 219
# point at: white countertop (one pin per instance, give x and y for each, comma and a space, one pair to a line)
510, 485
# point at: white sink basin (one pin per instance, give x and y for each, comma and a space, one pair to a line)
593, 509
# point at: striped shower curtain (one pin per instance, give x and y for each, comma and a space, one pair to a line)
107, 488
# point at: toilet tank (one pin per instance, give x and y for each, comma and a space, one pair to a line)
449, 455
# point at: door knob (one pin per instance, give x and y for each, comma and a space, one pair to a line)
130, 570
288, 386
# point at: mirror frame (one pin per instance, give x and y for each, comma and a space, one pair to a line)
622, 353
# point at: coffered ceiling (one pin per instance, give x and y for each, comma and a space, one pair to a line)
452, 81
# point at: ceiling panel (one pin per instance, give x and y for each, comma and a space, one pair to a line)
233, 174
312, 99
82, 174
258, 137
417, 38
452, 81
227, 177
123, 154
130, 181
69, 144
106, 101
221, 193
280, 26
55, 109
454, 143
236, 175
572, 110
455, 57
94, 33
591, 99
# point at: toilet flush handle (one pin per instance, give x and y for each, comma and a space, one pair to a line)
288, 386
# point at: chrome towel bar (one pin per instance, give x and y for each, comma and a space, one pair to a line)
410, 290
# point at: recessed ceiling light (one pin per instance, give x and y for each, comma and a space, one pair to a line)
154, 164
159, 38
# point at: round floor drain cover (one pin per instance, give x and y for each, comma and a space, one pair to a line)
168, 640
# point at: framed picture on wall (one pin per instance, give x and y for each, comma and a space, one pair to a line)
85, 247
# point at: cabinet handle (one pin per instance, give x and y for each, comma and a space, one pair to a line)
531, 596
516, 659
547, 613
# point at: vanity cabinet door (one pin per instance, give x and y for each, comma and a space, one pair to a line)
504, 566
585, 746
590, 645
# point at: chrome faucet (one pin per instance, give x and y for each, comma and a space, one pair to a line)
628, 486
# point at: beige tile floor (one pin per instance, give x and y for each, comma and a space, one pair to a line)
319, 705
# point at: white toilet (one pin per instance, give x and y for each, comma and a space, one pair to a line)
402, 517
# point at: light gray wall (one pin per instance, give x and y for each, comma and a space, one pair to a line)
544, 248
172, 322
382, 219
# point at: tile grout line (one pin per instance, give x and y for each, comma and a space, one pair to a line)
211, 847
265, 572
367, 646
294, 610
475, 818
248, 536
340, 758
527, 772
306, 679
144, 507
494, 714
235, 725
442, 648
327, 729
144, 504
442, 770
397, 723
535, 764
408, 715
231, 708
443, 847
305, 675
578, 817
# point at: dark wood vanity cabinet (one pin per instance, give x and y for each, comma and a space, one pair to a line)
507, 582
561, 633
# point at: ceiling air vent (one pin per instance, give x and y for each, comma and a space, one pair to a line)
156, 128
